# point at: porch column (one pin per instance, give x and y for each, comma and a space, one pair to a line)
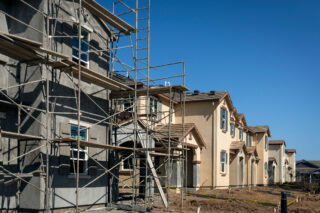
196, 174
176, 174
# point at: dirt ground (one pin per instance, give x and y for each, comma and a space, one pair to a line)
306, 203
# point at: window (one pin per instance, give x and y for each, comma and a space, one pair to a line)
232, 130
153, 105
266, 143
83, 152
84, 57
241, 134
127, 163
224, 119
248, 139
265, 169
224, 161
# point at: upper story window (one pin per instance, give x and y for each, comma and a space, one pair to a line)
224, 119
153, 105
223, 161
248, 139
266, 143
232, 130
240, 134
84, 57
83, 151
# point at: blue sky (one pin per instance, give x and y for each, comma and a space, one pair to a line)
265, 53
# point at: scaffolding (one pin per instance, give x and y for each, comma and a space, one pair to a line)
127, 55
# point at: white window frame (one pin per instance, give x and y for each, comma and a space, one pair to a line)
240, 134
154, 106
232, 131
89, 30
223, 164
122, 164
224, 120
85, 150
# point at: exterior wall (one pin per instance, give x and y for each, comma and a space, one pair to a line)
292, 163
204, 121
258, 140
222, 141
208, 122
165, 108
277, 151
235, 169
63, 186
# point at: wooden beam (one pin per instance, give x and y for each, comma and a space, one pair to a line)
19, 136
90, 144
102, 13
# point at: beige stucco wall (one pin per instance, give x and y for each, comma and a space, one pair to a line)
206, 116
223, 141
258, 141
165, 109
202, 115
292, 163
278, 152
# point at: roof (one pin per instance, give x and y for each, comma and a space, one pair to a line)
252, 150
205, 96
242, 117
179, 132
277, 142
123, 79
291, 151
260, 129
272, 159
304, 166
236, 146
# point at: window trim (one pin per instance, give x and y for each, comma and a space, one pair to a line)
240, 134
225, 163
89, 31
225, 126
122, 165
266, 143
86, 150
232, 130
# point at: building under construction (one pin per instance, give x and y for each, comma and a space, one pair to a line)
83, 121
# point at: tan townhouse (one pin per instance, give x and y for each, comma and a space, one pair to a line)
291, 169
243, 156
277, 153
258, 137
212, 112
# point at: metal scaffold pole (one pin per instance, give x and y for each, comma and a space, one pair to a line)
79, 103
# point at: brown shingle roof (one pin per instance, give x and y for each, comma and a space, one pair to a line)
291, 151
178, 132
277, 142
209, 96
236, 145
260, 129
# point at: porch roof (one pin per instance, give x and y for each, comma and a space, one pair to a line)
272, 159
179, 132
